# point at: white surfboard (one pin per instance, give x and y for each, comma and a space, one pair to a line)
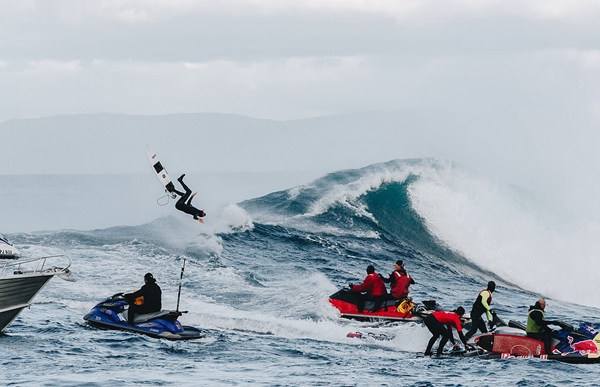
161, 173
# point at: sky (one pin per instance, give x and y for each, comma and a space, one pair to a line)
297, 59
525, 75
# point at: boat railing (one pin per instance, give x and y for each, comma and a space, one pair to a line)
39, 265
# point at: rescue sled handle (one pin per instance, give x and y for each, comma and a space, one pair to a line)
42, 268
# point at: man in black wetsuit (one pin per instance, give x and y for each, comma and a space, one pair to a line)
146, 300
537, 325
181, 204
481, 306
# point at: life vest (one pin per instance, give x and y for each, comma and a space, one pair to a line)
532, 326
401, 284
406, 306
480, 297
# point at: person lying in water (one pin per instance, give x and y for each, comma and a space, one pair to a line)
184, 203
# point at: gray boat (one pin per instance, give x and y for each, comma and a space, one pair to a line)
22, 280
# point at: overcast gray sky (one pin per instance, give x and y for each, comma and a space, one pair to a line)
296, 59
523, 75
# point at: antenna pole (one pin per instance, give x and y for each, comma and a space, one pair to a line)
180, 282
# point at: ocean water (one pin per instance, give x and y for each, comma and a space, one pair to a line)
259, 272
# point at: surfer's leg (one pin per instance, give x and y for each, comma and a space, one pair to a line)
482, 325
475, 324
430, 344
177, 192
432, 324
445, 337
189, 202
188, 191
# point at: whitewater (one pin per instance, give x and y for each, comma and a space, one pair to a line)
259, 272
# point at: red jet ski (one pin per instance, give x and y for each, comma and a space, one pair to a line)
347, 301
581, 345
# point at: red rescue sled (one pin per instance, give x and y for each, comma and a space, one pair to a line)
570, 345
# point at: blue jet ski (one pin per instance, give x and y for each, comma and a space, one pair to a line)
112, 314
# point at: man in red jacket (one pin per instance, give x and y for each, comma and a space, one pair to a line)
373, 286
440, 323
400, 280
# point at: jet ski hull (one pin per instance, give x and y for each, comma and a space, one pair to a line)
112, 314
345, 301
580, 345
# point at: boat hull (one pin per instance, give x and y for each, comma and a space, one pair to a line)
18, 285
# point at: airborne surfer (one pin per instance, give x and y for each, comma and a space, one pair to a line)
184, 203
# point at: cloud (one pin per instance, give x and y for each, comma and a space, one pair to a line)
282, 59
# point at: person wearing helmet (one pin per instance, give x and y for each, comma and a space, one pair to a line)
146, 300
439, 324
187, 207
481, 306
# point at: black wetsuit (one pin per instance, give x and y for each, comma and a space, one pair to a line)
152, 300
181, 204
437, 329
477, 311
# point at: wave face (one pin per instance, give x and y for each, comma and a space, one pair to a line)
258, 276
450, 214
374, 201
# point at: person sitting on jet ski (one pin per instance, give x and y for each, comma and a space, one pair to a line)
373, 286
480, 306
150, 296
181, 204
400, 280
537, 325
435, 323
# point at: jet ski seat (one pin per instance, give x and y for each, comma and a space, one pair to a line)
142, 318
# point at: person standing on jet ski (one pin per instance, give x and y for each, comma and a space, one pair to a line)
481, 306
400, 281
145, 300
537, 325
439, 324
373, 286
187, 207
